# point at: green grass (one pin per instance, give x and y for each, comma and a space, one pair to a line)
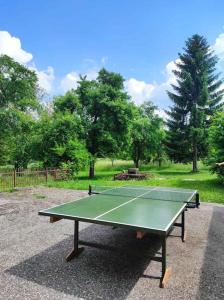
170, 175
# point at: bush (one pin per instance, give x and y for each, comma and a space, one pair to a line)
6, 168
36, 165
216, 145
73, 156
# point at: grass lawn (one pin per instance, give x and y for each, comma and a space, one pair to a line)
172, 175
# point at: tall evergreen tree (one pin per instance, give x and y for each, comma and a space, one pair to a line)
196, 96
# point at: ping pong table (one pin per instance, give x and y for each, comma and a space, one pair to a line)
147, 209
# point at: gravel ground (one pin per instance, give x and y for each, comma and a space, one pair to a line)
32, 252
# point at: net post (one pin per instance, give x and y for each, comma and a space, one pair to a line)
197, 200
90, 190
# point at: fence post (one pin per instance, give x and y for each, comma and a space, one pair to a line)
46, 174
14, 178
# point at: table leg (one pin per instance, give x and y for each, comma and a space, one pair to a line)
183, 232
182, 225
76, 250
166, 272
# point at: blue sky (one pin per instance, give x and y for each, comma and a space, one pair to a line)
139, 39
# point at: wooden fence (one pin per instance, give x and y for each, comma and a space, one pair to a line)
24, 178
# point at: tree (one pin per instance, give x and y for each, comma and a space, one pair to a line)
57, 141
73, 155
20, 142
18, 101
196, 96
67, 103
147, 135
106, 114
216, 144
18, 85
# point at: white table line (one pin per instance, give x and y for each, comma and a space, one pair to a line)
122, 204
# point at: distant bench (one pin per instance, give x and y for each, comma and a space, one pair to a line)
220, 165
132, 173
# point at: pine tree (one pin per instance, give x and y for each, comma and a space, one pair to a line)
196, 95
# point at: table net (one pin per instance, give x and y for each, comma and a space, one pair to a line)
153, 193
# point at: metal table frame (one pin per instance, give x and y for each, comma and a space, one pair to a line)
163, 235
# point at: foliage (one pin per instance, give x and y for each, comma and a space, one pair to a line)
55, 135
35, 165
73, 155
147, 135
18, 85
18, 101
98, 119
6, 168
106, 114
68, 102
196, 96
216, 144
20, 153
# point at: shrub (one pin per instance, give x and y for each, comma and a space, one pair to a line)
216, 145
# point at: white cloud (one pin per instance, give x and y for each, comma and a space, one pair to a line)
70, 80
139, 91
92, 67
161, 113
46, 79
218, 48
11, 46
91, 74
170, 67
104, 60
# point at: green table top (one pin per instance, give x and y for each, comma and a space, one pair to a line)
151, 208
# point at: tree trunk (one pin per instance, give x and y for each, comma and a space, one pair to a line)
92, 169
112, 162
137, 156
160, 162
136, 163
195, 157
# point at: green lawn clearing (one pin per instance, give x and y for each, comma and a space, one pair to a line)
169, 175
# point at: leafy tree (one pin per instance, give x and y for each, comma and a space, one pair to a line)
106, 114
18, 100
196, 96
140, 140
67, 103
160, 150
147, 135
216, 144
19, 143
58, 141
18, 85
73, 155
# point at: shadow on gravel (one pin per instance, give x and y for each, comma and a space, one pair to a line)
212, 273
95, 274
